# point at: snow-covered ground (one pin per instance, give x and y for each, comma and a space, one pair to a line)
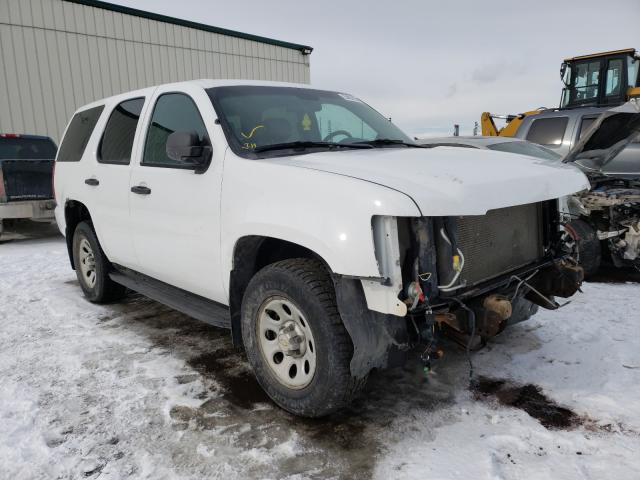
136, 390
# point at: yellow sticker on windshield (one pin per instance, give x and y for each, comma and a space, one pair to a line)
250, 134
306, 122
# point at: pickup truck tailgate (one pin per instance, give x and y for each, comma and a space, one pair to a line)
26, 180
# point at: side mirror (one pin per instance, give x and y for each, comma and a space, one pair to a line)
186, 148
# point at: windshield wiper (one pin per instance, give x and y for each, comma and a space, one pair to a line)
301, 145
387, 141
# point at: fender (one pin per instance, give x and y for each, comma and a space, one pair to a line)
379, 340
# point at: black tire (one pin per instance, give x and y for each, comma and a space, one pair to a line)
103, 290
307, 284
587, 250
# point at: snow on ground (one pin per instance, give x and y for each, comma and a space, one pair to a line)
137, 390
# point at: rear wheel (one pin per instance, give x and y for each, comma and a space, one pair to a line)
295, 340
581, 240
92, 267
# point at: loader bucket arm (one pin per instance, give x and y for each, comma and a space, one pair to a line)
489, 128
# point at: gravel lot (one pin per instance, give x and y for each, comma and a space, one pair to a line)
136, 390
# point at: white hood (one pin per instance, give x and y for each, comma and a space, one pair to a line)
445, 181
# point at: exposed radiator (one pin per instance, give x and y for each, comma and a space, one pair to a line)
500, 241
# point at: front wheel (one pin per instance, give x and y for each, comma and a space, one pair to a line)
295, 340
581, 240
92, 267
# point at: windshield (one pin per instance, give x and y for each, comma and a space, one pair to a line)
26, 148
525, 148
261, 119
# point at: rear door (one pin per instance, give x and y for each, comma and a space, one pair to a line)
175, 212
107, 185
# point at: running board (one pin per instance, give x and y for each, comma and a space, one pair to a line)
188, 303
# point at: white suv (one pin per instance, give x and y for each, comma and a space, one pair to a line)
307, 223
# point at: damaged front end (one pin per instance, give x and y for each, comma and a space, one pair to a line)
465, 277
479, 274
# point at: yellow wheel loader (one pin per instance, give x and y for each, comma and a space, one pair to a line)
604, 79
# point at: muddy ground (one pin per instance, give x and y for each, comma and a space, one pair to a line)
137, 390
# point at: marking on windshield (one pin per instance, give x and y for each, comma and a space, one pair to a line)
306, 122
251, 132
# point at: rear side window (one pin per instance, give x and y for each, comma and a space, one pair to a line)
117, 139
78, 134
548, 131
26, 148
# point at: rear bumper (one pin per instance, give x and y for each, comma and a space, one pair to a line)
32, 209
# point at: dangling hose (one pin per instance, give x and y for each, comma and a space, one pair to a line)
450, 286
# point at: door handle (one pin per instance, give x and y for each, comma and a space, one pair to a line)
94, 182
141, 190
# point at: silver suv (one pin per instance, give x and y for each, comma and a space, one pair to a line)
605, 221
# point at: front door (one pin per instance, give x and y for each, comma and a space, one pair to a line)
175, 212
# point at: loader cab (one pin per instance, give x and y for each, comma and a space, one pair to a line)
601, 79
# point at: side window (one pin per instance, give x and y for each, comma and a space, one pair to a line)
172, 112
333, 118
548, 131
614, 78
78, 134
586, 125
117, 139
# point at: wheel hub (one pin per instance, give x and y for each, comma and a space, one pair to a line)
286, 342
87, 263
292, 340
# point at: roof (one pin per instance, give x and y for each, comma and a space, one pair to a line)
305, 49
202, 83
627, 51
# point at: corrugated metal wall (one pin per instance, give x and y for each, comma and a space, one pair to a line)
56, 56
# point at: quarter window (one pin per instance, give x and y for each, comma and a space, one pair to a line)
117, 139
586, 125
173, 112
548, 131
78, 134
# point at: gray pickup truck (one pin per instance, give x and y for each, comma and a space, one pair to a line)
26, 173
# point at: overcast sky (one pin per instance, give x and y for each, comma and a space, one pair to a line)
430, 64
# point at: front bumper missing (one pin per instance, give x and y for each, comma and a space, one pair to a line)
493, 309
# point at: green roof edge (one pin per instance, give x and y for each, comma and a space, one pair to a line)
305, 49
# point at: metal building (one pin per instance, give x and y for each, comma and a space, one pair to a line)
57, 55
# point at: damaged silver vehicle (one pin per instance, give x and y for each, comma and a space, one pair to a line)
603, 223
608, 216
